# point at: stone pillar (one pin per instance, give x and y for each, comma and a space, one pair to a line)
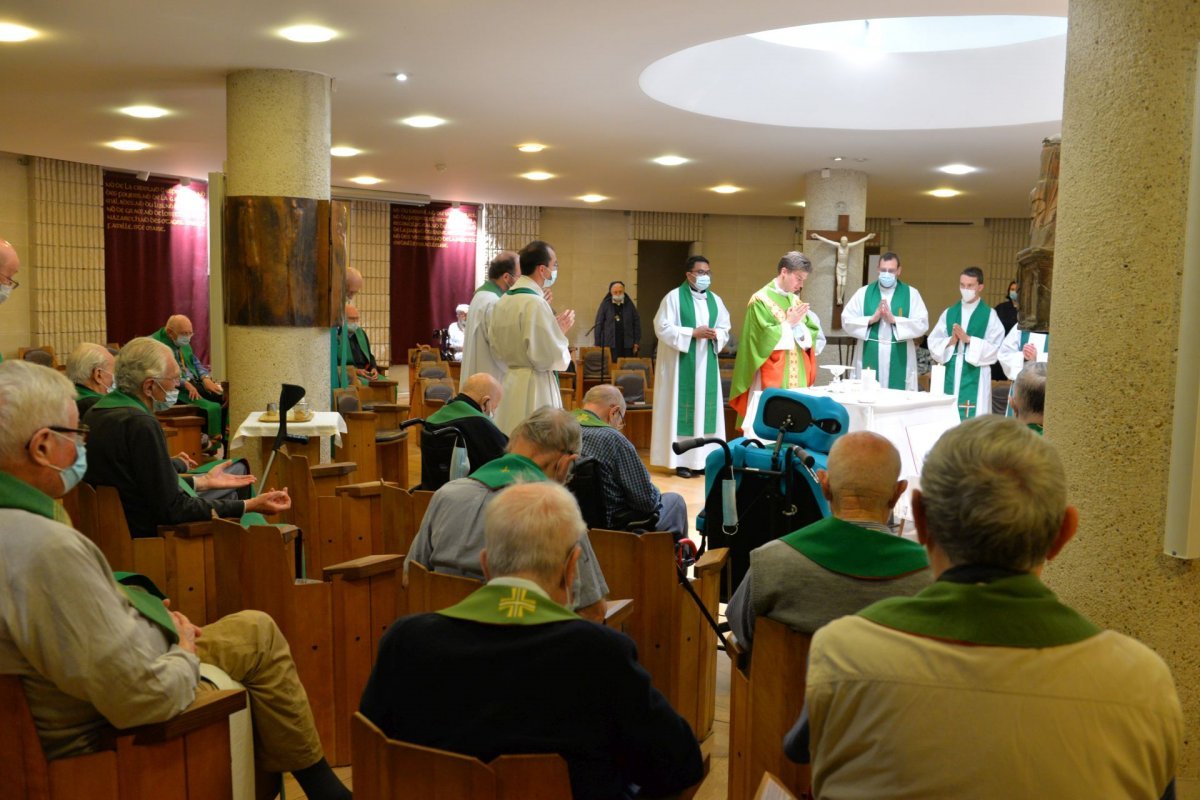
278, 148
1123, 198
826, 198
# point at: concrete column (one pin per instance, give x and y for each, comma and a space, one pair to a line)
277, 146
1123, 197
844, 191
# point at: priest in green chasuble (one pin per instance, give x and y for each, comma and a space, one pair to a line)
967, 339
781, 339
692, 325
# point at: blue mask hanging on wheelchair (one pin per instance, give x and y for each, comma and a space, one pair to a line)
460, 464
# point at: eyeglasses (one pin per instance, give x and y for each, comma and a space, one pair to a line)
80, 433
175, 382
619, 422
702, 272
10, 282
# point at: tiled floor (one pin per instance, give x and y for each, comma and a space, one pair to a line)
716, 746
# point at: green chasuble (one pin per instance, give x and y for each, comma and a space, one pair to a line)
140, 590
82, 391
850, 549
766, 314
454, 411
1017, 611
685, 373
504, 604
898, 363
588, 419
508, 468
968, 387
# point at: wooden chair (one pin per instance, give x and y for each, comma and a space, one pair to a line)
646, 365
186, 757
766, 696
634, 386
430, 370
41, 354
430, 394
567, 382
595, 366
188, 423
385, 769
675, 644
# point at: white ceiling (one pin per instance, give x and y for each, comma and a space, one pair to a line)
503, 72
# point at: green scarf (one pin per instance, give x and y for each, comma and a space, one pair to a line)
15, 493
1036, 428
508, 468
1017, 611
685, 374
968, 387
488, 286
339, 357
82, 391
455, 410
184, 356
898, 364
588, 419
850, 549
508, 605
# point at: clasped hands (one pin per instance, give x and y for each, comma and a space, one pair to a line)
884, 312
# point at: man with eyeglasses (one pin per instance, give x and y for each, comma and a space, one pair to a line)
629, 496
10, 263
129, 450
543, 447
692, 325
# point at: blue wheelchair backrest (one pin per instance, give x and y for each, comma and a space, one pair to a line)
816, 422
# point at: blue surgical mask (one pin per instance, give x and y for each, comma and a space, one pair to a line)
703, 282
72, 475
552, 279
887, 279
352, 326
5, 291
1012, 296
183, 341
168, 401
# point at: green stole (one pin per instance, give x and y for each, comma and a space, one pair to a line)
588, 419
497, 604
1008, 412
339, 357
82, 391
454, 411
898, 363
524, 290
1036, 428
488, 286
1017, 611
184, 356
685, 373
968, 387
508, 468
850, 549
15, 493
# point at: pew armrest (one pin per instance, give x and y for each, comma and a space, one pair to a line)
209, 707
368, 489
617, 611
365, 567
187, 530
333, 470
711, 561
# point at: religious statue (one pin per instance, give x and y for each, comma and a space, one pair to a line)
843, 259
1044, 197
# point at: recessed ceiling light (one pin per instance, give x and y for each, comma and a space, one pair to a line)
838, 158
945, 192
531, 147
144, 112
128, 144
12, 32
592, 198
537, 175
402, 76
726, 188
366, 180
957, 169
423, 121
308, 34
344, 152
671, 161
802, 204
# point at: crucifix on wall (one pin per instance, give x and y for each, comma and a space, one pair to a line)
841, 239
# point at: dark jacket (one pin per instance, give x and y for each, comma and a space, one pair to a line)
618, 326
484, 441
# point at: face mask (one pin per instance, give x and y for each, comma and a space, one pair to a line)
168, 401
618, 299
5, 291
112, 387
460, 464
72, 475
183, 341
887, 279
1012, 296
703, 282
553, 278
968, 295
352, 326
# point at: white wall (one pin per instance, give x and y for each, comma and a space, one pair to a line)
15, 314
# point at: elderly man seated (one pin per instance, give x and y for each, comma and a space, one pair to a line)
984, 685
91, 368
129, 450
512, 670
629, 495
456, 334
543, 447
199, 389
470, 413
91, 651
358, 347
842, 563
1028, 399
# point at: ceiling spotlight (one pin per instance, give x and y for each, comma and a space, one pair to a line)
11, 32
671, 161
366, 180
144, 112
402, 76
726, 188
423, 121
531, 147
344, 152
143, 176
838, 158
957, 169
128, 144
592, 198
537, 175
944, 192
308, 34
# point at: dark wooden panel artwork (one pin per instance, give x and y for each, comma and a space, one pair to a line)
277, 263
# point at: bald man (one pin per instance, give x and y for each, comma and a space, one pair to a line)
471, 414
843, 563
197, 387
340, 336
10, 262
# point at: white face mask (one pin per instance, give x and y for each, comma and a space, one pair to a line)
553, 277
183, 341
968, 295
5, 292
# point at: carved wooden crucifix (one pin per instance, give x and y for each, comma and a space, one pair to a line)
843, 239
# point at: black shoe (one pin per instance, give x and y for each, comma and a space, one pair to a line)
684, 472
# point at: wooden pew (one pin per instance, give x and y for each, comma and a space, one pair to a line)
317, 512
187, 757
765, 699
188, 424
402, 511
675, 644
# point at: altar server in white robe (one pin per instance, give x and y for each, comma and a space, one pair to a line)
1021, 348
692, 325
529, 340
888, 315
967, 339
477, 349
